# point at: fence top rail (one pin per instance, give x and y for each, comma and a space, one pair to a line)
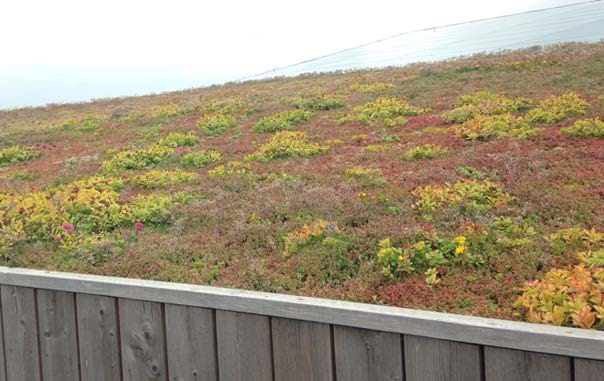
470, 329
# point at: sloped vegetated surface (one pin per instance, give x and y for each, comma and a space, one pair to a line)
472, 186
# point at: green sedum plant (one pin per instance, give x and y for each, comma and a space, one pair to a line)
285, 120
200, 159
216, 123
161, 179
286, 144
17, 154
585, 129
388, 111
484, 103
558, 108
426, 151
495, 127
322, 102
177, 139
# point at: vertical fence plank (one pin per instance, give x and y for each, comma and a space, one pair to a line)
367, 355
589, 370
98, 335
2, 363
20, 333
142, 340
191, 347
301, 350
433, 360
509, 364
244, 346
58, 335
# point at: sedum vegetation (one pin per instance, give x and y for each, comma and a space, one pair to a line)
471, 186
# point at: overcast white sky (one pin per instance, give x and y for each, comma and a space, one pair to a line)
221, 39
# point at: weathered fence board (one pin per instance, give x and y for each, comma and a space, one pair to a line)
367, 355
99, 340
507, 364
302, 350
87, 328
20, 333
58, 335
244, 346
440, 360
589, 370
191, 346
142, 340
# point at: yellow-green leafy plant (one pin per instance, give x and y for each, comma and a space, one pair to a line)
177, 139
426, 151
321, 102
137, 159
307, 235
200, 159
216, 123
573, 296
168, 110
558, 108
569, 240
389, 111
285, 120
366, 176
161, 179
154, 208
90, 208
395, 261
585, 129
495, 127
287, 144
470, 193
17, 154
230, 168
528, 65
485, 103
371, 87
376, 148
86, 124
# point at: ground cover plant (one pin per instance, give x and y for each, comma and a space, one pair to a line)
471, 186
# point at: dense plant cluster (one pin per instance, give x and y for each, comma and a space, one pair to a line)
484, 127
558, 108
370, 177
322, 102
285, 120
427, 151
162, 179
371, 87
200, 159
484, 103
287, 144
176, 139
216, 123
137, 159
17, 154
388, 111
230, 168
585, 129
472, 194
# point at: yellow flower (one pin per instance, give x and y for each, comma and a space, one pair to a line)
401, 258
461, 240
460, 250
420, 245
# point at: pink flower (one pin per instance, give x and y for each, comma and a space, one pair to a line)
180, 150
139, 226
69, 228
58, 238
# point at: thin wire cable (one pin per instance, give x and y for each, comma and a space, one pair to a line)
434, 28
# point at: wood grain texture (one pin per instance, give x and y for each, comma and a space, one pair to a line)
191, 347
20, 333
142, 340
301, 350
512, 365
99, 339
435, 360
589, 370
468, 329
2, 363
58, 336
362, 355
244, 346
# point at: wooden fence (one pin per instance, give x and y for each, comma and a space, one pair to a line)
64, 327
